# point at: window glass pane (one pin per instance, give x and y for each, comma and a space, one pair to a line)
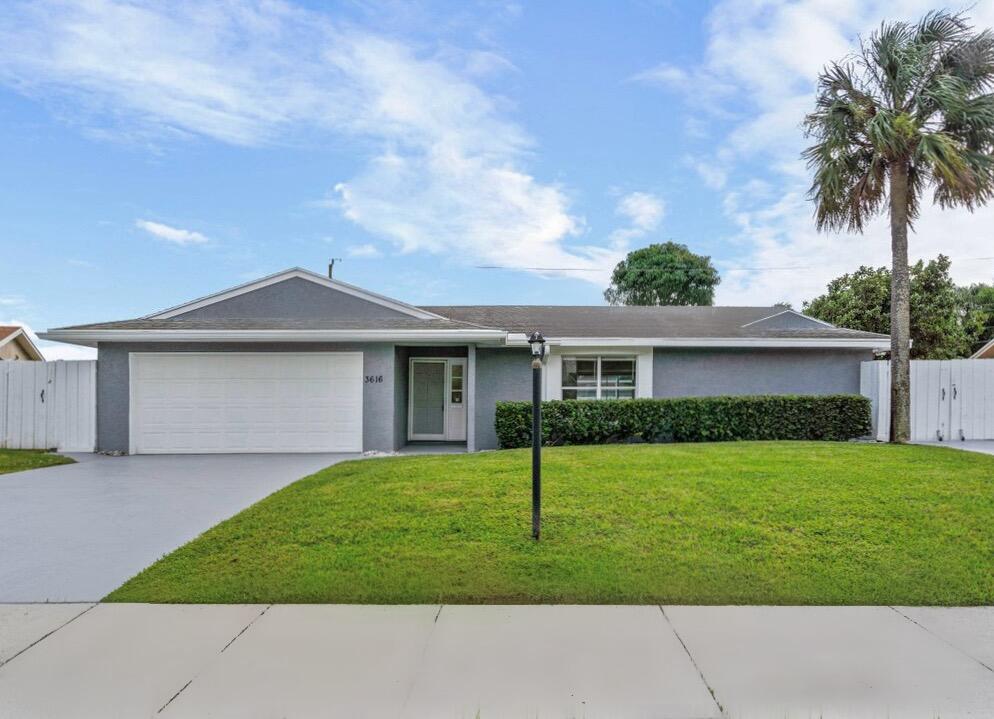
579, 372
617, 393
617, 372
457, 383
582, 394
456, 370
456, 397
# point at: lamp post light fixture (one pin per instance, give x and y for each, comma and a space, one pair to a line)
537, 342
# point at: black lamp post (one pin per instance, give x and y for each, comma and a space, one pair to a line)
537, 342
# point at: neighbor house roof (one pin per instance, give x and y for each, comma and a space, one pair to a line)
985, 352
14, 333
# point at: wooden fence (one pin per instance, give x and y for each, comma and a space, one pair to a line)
48, 405
951, 400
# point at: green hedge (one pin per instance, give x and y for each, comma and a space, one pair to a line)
689, 419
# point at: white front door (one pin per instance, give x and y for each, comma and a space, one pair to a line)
211, 402
437, 399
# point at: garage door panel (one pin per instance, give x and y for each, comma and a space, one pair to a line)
246, 402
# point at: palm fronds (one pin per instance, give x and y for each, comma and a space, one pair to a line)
919, 94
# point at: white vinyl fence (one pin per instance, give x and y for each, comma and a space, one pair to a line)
48, 405
951, 400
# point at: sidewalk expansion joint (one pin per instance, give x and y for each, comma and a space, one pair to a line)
714, 697
417, 672
943, 639
245, 628
46, 636
240, 633
181, 689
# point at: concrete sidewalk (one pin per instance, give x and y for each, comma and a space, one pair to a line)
248, 661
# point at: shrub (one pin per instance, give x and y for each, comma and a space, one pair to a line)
688, 419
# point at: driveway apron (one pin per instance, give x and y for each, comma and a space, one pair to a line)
75, 532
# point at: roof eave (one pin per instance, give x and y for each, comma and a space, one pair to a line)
871, 343
90, 337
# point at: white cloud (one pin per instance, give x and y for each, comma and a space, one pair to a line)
12, 301
664, 74
710, 170
645, 211
446, 171
59, 351
762, 61
364, 251
171, 234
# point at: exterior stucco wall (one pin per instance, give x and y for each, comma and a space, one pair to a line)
501, 374
294, 298
113, 385
711, 372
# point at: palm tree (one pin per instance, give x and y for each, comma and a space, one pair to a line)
911, 110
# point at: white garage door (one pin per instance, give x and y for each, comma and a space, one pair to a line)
246, 402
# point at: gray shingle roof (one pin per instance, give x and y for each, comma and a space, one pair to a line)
602, 321
551, 320
391, 323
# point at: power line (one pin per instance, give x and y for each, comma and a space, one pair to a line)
682, 267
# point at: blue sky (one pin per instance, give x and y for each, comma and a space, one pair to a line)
152, 153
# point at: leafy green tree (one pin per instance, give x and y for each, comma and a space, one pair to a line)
912, 110
977, 308
663, 274
861, 301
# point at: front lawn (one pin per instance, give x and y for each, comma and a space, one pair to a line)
729, 523
14, 460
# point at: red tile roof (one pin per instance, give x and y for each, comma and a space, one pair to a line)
7, 331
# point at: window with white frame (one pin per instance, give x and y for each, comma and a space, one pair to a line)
598, 377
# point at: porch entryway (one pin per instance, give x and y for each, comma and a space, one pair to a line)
437, 399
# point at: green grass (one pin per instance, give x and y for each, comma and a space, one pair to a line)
730, 523
15, 460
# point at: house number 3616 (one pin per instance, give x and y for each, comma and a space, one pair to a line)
374, 379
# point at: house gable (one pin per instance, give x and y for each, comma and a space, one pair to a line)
16, 345
787, 320
294, 294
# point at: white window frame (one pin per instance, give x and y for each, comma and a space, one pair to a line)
552, 376
598, 387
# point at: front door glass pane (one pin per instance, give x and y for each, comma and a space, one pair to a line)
428, 412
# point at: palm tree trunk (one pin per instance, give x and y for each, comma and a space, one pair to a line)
900, 307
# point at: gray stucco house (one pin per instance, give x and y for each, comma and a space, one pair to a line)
299, 362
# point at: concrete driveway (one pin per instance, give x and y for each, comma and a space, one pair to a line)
983, 446
244, 661
77, 531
